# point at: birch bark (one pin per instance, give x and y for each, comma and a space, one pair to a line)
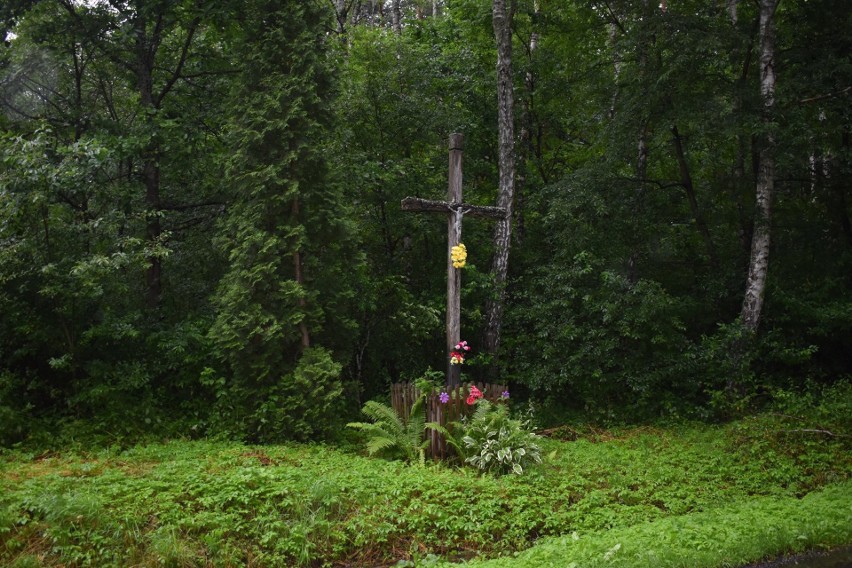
502, 23
760, 242
396, 17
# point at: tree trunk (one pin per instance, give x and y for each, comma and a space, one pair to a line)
146, 49
502, 23
740, 185
731, 6
527, 124
341, 13
153, 230
840, 188
396, 17
616, 64
300, 279
686, 182
645, 42
759, 259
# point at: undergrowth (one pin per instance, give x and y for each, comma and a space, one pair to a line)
729, 536
205, 503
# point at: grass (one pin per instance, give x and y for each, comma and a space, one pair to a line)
690, 495
728, 536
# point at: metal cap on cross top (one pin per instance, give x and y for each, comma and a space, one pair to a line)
455, 209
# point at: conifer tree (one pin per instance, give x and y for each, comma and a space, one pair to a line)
279, 232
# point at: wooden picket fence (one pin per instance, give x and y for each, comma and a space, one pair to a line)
403, 396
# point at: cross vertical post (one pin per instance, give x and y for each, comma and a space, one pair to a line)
455, 209
454, 220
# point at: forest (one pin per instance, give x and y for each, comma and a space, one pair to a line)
215, 261
200, 222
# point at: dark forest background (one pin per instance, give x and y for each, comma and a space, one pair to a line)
200, 224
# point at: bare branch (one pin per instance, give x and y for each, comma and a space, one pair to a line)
827, 96
179, 67
816, 431
614, 19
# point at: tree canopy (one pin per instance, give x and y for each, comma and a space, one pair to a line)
200, 224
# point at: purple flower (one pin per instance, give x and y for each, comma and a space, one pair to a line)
505, 394
444, 397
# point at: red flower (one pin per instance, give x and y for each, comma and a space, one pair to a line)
471, 399
475, 392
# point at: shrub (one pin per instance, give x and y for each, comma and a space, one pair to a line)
497, 443
14, 419
301, 404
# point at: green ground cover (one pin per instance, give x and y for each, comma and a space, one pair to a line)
663, 494
730, 536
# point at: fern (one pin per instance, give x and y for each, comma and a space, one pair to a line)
449, 435
415, 428
392, 434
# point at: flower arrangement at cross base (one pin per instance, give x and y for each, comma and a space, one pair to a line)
474, 395
459, 352
490, 440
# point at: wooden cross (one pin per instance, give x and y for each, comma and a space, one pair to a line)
455, 209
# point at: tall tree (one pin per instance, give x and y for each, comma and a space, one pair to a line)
759, 260
73, 96
153, 42
283, 234
502, 12
396, 16
527, 121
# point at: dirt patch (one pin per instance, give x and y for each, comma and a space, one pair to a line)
839, 558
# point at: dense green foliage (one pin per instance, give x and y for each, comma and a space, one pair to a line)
200, 226
731, 493
395, 435
201, 237
733, 535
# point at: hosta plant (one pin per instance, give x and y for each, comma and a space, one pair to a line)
497, 443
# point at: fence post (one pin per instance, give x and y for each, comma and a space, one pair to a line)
403, 396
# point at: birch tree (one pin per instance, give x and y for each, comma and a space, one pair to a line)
396, 16
502, 23
759, 259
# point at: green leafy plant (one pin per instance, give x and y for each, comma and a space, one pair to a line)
225, 503
453, 433
497, 443
396, 435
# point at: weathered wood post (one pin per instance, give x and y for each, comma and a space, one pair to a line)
455, 209
454, 228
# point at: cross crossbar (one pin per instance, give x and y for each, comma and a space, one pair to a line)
455, 209
432, 206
